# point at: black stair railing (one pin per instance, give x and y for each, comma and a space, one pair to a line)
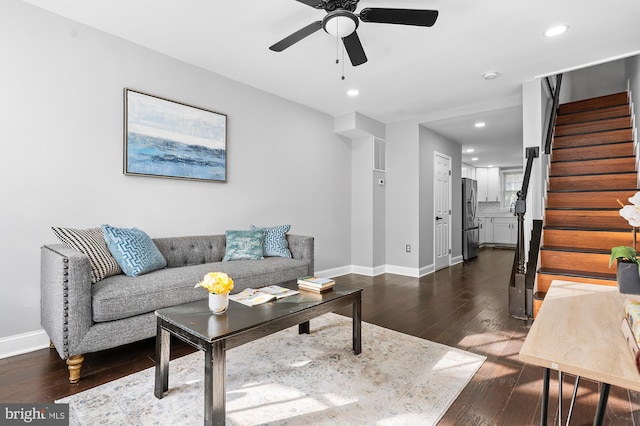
521, 283
555, 92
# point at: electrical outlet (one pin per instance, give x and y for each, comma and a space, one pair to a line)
408, 248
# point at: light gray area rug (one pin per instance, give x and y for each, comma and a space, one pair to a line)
291, 379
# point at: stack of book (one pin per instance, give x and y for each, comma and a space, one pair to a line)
631, 327
315, 284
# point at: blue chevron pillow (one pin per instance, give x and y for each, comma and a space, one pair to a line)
134, 250
275, 241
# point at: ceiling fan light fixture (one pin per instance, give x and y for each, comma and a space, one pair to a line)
340, 23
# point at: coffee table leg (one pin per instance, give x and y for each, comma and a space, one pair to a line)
357, 324
163, 346
304, 328
215, 376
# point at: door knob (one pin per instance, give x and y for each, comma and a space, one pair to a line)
438, 218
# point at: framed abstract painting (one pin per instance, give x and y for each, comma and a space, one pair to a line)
168, 139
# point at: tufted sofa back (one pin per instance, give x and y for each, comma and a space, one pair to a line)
187, 251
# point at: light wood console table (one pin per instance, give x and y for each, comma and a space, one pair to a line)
577, 331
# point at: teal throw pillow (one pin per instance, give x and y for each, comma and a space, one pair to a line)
134, 250
275, 241
244, 245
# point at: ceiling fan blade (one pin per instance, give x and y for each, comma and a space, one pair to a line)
297, 36
354, 49
317, 4
422, 18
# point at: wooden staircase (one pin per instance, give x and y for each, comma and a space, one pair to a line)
592, 165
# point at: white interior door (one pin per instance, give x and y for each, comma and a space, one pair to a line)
442, 211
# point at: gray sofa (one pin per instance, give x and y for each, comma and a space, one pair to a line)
80, 317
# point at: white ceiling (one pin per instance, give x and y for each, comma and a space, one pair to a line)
411, 72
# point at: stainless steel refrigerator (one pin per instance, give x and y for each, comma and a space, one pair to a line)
470, 229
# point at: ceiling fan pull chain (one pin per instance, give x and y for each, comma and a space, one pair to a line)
343, 62
337, 50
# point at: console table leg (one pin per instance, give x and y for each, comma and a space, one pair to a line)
598, 420
215, 376
544, 409
560, 380
573, 399
163, 347
357, 324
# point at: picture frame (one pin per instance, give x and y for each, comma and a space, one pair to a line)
169, 139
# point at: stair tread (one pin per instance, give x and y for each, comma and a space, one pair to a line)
583, 191
564, 228
575, 250
572, 273
604, 173
600, 175
566, 191
585, 209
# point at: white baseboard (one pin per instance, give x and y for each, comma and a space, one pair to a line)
426, 270
23, 343
402, 270
334, 272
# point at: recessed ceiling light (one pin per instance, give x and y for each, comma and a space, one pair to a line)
474, 159
353, 92
480, 124
490, 165
469, 149
556, 31
490, 75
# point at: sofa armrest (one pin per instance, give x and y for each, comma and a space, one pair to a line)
65, 296
302, 247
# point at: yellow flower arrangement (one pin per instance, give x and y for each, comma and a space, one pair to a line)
216, 282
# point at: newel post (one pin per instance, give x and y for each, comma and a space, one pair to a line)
518, 300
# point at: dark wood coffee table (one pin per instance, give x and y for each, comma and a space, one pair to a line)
214, 334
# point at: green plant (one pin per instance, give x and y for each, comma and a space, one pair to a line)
632, 214
624, 253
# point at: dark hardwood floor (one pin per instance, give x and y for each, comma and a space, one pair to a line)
464, 306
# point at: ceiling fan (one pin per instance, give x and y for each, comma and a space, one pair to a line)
342, 21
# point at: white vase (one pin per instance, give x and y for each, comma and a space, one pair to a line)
218, 303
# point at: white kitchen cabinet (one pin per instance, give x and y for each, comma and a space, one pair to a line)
505, 230
486, 230
488, 183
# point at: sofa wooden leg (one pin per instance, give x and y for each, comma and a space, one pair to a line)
75, 364
51, 345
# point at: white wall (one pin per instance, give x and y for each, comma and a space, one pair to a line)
362, 212
591, 82
633, 77
61, 105
402, 197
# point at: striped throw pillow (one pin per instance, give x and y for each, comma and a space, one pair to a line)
90, 242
